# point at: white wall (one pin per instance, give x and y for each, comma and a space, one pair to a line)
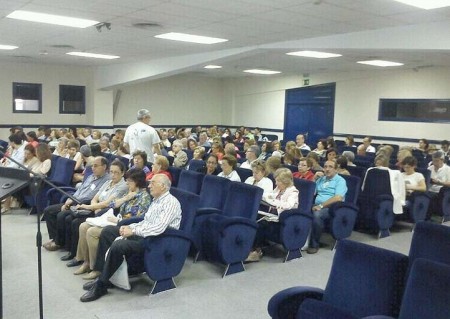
259, 101
251, 101
178, 100
51, 76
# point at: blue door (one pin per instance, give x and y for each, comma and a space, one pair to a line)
310, 111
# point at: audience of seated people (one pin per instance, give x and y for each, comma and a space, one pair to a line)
133, 204
27, 150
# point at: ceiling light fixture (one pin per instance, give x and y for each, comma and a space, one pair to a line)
51, 19
381, 63
189, 38
94, 55
212, 66
7, 47
260, 71
315, 54
426, 4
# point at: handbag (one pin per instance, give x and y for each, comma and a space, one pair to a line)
78, 213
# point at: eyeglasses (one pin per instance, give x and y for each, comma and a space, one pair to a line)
211, 163
115, 172
96, 165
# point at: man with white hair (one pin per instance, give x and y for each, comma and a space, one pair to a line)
180, 158
251, 155
164, 212
141, 136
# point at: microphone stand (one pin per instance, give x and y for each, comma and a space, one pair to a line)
36, 182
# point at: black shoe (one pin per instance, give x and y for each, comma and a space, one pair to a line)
74, 263
67, 257
90, 284
312, 250
98, 290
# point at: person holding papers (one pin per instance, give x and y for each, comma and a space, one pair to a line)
283, 197
133, 204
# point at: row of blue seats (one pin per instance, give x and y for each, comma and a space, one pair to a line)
370, 282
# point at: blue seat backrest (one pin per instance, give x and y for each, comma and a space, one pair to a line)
214, 191
54, 159
366, 280
357, 171
189, 203
63, 171
242, 200
426, 293
244, 173
306, 190
344, 148
4, 144
426, 173
125, 161
377, 182
190, 181
197, 165
292, 168
175, 172
430, 241
189, 153
353, 188
87, 172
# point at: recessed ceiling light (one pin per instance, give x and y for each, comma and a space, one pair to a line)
380, 63
189, 38
315, 54
426, 4
51, 19
7, 47
94, 55
212, 66
260, 71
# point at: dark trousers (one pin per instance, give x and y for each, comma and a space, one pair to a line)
61, 227
107, 237
72, 233
320, 217
50, 215
120, 248
435, 204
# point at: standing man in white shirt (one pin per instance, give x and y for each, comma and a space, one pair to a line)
141, 136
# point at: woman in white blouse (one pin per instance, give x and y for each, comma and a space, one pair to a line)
414, 181
283, 197
229, 164
259, 177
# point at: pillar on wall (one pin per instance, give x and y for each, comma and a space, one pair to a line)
102, 111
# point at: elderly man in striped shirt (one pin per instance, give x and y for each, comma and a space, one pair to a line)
164, 212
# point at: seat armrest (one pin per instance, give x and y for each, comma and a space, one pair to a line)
129, 221
288, 300
230, 221
290, 213
336, 206
207, 211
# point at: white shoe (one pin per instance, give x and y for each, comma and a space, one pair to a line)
254, 256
